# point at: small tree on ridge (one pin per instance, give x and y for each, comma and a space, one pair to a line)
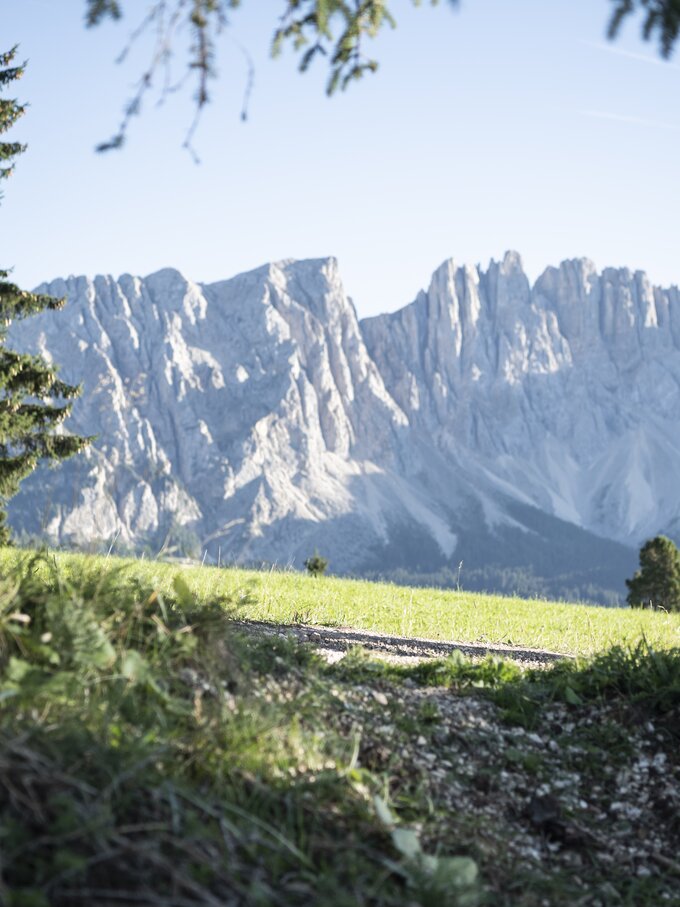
316, 565
657, 582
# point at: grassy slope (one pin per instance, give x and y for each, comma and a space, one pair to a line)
150, 754
431, 613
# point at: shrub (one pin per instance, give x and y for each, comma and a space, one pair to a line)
316, 565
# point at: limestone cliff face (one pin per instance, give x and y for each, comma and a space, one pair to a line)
248, 411
259, 414
565, 395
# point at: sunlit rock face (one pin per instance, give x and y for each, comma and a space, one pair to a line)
516, 428
565, 395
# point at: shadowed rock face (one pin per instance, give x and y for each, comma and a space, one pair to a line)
260, 416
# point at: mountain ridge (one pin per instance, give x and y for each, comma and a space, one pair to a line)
259, 417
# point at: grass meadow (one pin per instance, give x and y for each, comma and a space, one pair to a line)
448, 615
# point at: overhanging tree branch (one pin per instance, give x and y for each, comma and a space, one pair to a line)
333, 30
661, 20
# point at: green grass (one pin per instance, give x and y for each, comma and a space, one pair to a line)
151, 753
287, 597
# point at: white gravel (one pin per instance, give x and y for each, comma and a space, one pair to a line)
332, 643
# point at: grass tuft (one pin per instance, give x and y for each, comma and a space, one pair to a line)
647, 680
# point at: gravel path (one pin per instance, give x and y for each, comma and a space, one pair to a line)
332, 643
578, 810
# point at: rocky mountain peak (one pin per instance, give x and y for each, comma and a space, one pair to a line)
488, 421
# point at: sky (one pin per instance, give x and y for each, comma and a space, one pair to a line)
497, 125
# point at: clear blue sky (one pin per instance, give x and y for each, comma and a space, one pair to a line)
506, 124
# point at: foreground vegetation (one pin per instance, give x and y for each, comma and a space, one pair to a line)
151, 752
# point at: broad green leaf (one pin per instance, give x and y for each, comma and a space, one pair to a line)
58, 684
457, 872
183, 591
383, 811
17, 669
134, 667
104, 654
429, 863
572, 696
407, 843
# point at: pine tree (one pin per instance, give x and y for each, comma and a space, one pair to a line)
657, 582
30, 391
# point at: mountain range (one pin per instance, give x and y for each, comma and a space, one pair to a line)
531, 432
